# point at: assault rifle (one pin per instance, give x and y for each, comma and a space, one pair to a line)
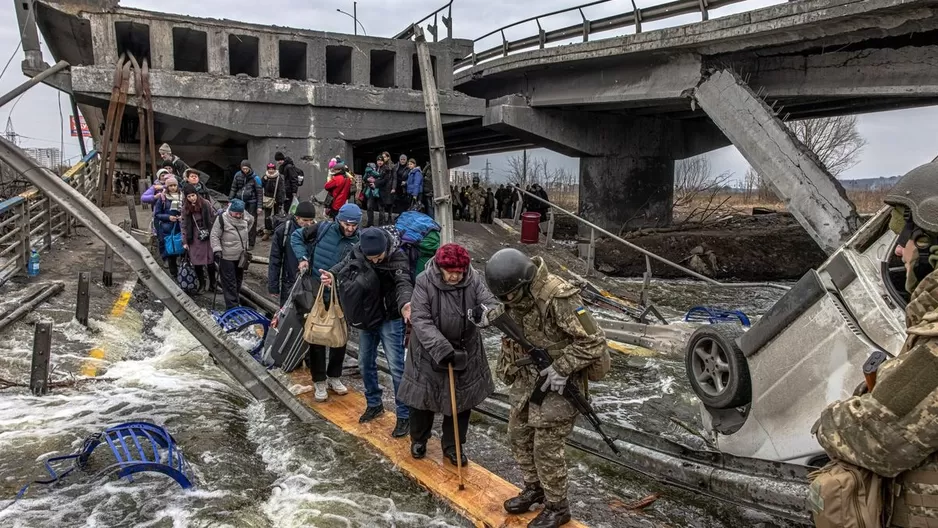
541, 360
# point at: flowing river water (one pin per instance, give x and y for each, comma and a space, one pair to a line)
256, 466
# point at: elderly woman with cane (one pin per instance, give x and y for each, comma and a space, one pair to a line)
446, 360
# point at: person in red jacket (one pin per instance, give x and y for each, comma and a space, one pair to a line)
338, 184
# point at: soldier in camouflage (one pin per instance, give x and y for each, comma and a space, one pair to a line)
476, 200
892, 430
552, 316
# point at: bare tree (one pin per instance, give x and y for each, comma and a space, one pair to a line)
517, 173
698, 191
835, 140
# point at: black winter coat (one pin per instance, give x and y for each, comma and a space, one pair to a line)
385, 184
275, 187
394, 274
439, 325
281, 272
288, 170
244, 187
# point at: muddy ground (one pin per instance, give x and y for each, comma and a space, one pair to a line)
748, 248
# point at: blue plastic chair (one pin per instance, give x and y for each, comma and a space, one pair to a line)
708, 314
136, 446
239, 318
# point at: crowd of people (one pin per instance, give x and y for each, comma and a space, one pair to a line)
479, 204
423, 303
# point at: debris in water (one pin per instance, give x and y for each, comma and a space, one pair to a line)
635, 505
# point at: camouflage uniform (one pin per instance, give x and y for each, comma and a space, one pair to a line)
892, 431
548, 316
476, 202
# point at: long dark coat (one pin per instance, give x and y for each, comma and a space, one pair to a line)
438, 318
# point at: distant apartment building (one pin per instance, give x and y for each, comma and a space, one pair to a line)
461, 178
50, 158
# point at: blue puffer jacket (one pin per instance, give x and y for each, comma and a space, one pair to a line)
326, 243
415, 182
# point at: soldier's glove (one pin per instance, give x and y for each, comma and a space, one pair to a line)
482, 315
554, 381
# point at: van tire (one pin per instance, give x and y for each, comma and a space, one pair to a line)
716, 367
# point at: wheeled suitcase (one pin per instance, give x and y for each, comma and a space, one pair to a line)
284, 346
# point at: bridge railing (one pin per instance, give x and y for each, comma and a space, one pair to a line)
649, 256
588, 27
433, 28
31, 221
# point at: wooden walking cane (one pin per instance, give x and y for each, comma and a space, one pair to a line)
452, 399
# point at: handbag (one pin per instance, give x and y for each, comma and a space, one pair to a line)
172, 243
186, 277
244, 260
326, 327
271, 201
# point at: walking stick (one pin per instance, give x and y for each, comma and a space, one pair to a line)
452, 399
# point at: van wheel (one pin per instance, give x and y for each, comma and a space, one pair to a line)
716, 367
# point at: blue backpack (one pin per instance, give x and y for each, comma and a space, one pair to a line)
413, 226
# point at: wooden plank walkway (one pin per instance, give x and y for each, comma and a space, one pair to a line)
480, 501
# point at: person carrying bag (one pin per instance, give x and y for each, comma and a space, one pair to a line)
326, 326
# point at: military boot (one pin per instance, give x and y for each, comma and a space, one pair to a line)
532, 494
553, 515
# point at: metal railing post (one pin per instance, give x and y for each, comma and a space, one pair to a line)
646, 279
84, 298
550, 229
48, 233
23, 234
591, 253
132, 209
42, 353
108, 277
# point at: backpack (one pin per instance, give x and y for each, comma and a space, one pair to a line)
357, 283
299, 176
846, 496
420, 238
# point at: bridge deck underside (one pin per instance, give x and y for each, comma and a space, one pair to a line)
467, 137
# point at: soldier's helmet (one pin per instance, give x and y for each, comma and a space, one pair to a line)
507, 272
917, 192
475, 179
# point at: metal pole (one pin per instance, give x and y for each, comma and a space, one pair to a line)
42, 353
444, 208
524, 168
19, 90
132, 208
591, 254
81, 137
84, 298
47, 237
23, 228
108, 277
355, 17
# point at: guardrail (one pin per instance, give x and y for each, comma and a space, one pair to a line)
433, 28
649, 256
588, 27
31, 221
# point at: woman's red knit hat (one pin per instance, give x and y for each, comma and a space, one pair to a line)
452, 257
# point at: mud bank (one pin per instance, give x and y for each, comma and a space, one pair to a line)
748, 248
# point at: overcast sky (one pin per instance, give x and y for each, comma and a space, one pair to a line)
896, 141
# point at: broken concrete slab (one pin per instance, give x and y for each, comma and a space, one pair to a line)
808, 189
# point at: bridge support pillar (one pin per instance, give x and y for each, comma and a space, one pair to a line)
312, 155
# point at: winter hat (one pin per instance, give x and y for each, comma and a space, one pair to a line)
167, 164
350, 214
373, 242
332, 163
188, 189
279, 156
271, 166
236, 206
245, 163
164, 149
160, 173
305, 210
452, 257
171, 180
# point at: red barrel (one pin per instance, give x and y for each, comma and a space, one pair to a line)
529, 227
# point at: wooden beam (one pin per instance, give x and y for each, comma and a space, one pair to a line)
481, 501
